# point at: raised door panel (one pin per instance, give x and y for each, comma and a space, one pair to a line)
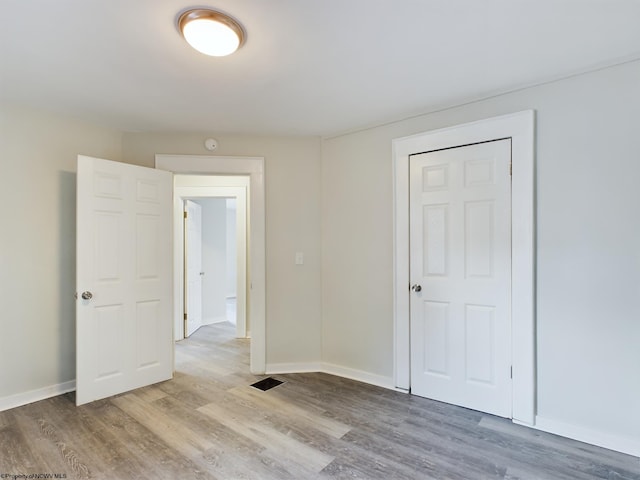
479, 239
108, 247
436, 236
479, 344
109, 336
148, 247
148, 334
436, 338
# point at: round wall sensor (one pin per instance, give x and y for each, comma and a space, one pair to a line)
211, 144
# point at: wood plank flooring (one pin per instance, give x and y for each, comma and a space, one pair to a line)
209, 423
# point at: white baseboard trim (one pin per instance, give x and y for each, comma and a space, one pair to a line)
622, 444
275, 368
358, 375
211, 321
20, 399
361, 376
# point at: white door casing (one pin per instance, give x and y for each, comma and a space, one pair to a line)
193, 264
242, 322
460, 249
124, 263
519, 127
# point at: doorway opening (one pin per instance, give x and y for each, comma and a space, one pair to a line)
251, 169
214, 250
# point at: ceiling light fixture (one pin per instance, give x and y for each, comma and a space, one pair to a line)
211, 32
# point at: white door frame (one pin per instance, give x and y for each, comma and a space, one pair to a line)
519, 127
256, 263
187, 187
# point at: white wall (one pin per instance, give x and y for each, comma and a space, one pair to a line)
214, 259
292, 182
588, 260
38, 153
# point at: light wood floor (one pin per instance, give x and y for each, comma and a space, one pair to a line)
208, 423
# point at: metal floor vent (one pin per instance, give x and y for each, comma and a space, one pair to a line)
266, 384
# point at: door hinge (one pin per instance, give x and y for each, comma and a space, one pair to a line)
511, 372
510, 169
185, 214
185, 316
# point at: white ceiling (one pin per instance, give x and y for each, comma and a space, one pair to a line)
308, 67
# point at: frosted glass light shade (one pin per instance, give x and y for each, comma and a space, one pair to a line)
211, 32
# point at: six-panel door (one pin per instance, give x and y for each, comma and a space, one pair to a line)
460, 247
124, 337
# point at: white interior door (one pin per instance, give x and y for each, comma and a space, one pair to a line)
460, 248
193, 263
124, 337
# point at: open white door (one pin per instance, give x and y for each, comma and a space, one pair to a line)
124, 336
193, 264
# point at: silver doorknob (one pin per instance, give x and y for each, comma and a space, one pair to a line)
201, 273
87, 295
416, 288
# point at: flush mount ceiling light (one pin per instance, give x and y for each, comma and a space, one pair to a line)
210, 32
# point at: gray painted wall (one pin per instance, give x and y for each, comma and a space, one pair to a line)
38, 155
292, 184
